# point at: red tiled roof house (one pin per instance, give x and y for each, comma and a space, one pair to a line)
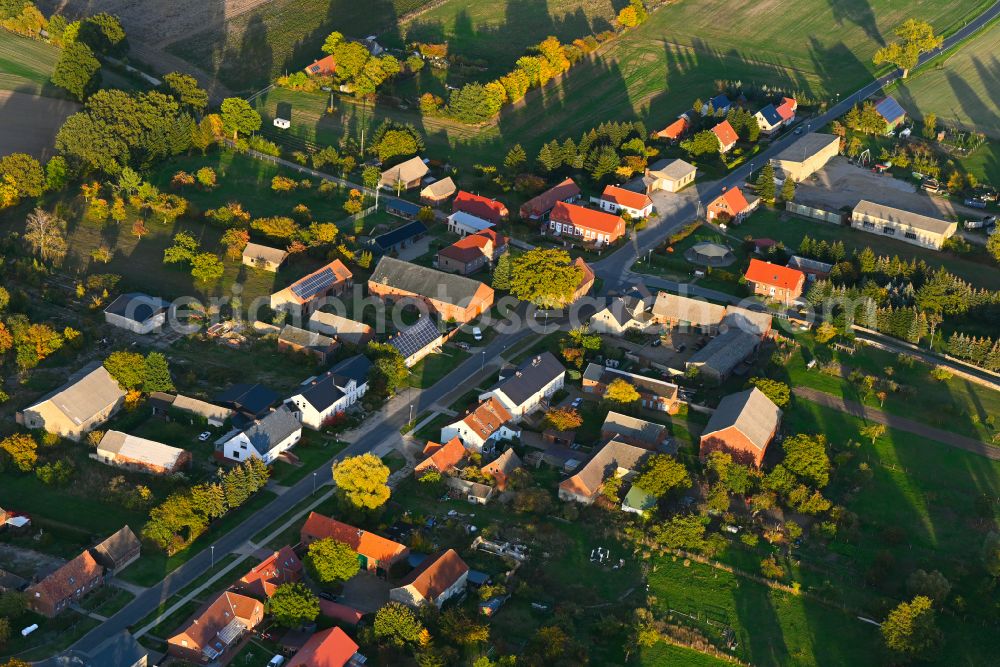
727, 136
472, 253
438, 579
67, 585
675, 130
731, 206
773, 281
217, 629
283, 567
481, 207
481, 424
374, 551
586, 225
538, 207
441, 457
614, 200
327, 648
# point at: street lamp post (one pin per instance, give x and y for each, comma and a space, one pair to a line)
212, 549
483, 366
314, 482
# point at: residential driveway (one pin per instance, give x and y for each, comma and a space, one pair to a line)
366, 592
415, 250
900, 423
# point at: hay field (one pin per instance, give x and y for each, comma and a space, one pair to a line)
29, 122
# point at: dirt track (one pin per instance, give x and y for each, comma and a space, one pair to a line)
28, 123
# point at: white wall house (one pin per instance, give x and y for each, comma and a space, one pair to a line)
530, 387
266, 439
482, 426
138, 313
333, 393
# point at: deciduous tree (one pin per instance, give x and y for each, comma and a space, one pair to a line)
910, 631
806, 457
395, 623
238, 116
563, 419
22, 450
293, 604
330, 561
621, 391
662, 474
77, 70
362, 480
779, 392
545, 277
45, 234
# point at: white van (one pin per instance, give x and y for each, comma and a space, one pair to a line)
276, 661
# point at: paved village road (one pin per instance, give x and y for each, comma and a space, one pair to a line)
391, 421
613, 270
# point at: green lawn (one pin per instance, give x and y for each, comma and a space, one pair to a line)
670, 655
432, 429
771, 627
433, 367
313, 450
954, 405
789, 229
26, 65
154, 564
961, 89
52, 636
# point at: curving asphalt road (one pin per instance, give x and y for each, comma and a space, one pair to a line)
613, 270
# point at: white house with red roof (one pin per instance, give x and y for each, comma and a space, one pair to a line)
774, 281
731, 206
481, 207
727, 136
773, 117
586, 225
615, 200
487, 422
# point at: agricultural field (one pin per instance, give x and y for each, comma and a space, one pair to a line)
26, 65
246, 50
962, 89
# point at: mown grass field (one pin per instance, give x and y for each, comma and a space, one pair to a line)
26, 64
962, 89
247, 51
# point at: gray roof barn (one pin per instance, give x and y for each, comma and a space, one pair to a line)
724, 352
438, 285
751, 412
86, 394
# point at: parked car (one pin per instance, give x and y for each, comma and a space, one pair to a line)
680, 348
477, 333
577, 402
276, 661
975, 203
657, 342
326, 595
204, 436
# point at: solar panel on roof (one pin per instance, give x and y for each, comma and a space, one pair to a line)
416, 338
312, 285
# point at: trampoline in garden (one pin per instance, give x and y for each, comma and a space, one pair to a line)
711, 254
